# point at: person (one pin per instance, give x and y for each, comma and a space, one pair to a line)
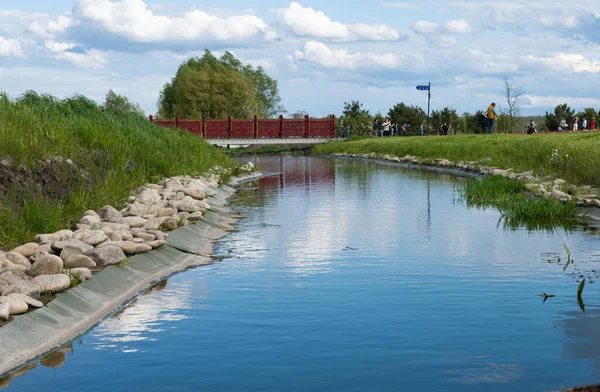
445, 129
386, 127
491, 117
584, 125
403, 129
531, 128
440, 130
593, 124
576, 124
563, 126
421, 130
376, 127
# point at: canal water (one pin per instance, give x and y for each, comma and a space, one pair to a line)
353, 276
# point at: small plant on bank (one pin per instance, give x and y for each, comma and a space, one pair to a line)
75, 278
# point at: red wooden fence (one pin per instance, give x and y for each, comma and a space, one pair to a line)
267, 128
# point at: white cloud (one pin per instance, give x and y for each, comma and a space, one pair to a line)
423, 27
51, 28
134, 21
319, 53
10, 47
537, 101
86, 59
458, 26
312, 23
565, 62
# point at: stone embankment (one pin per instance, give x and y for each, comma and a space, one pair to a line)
32, 273
547, 187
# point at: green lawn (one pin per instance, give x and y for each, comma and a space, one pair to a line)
577, 160
112, 155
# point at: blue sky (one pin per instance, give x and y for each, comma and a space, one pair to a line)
322, 52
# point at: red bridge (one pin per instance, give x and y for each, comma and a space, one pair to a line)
257, 131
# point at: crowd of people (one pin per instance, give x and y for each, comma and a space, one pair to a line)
487, 121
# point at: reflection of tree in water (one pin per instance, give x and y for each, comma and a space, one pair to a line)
582, 333
53, 360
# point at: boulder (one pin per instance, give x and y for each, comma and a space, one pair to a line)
94, 237
32, 303
572, 190
137, 240
28, 250
106, 255
156, 244
47, 265
137, 209
82, 273
53, 283
595, 203
16, 282
194, 216
194, 193
113, 226
78, 261
127, 247
125, 235
145, 236
135, 221
108, 213
4, 311
114, 236
16, 306
91, 213
46, 238
60, 245
560, 196
17, 258
170, 224
149, 196
559, 182
159, 235
64, 234
154, 223
90, 220
143, 248
69, 251
165, 212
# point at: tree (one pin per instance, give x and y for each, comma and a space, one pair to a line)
298, 114
355, 119
560, 111
446, 115
512, 94
411, 115
470, 123
588, 114
120, 104
214, 88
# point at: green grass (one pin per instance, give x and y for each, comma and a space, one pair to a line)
576, 161
516, 207
117, 153
270, 149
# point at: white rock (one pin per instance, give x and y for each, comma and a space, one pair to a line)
46, 238
107, 213
145, 236
82, 273
28, 249
4, 311
106, 255
64, 234
149, 196
197, 194
94, 237
113, 236
143, 248
91, 213
17, 258
79, 261
53, 283
128, 247
16, 306
60, 245
135, 221
47, 265
156, 244
159, 235
561, 196
32, 303
90, 220
154, 223
14, 282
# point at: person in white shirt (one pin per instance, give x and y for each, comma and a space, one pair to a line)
386, 126
584, 125
576, 124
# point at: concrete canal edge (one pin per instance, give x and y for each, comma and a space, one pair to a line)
77, 310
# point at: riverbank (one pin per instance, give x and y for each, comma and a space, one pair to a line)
60, 158
571, 157
77, 310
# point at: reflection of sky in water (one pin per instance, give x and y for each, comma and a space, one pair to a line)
143, 319
353, 276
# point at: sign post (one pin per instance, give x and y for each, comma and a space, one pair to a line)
428, 89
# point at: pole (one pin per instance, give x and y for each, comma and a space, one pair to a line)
428, 104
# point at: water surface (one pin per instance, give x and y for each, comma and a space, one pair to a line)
353, 276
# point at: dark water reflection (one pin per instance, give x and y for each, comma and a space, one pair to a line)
353, 276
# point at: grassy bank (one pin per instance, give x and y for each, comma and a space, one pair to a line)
62, 157
576, 159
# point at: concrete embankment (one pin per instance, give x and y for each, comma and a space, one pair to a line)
75, 311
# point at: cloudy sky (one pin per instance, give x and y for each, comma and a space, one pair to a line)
322, 52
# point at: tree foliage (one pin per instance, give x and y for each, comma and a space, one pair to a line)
560, 111
355, 119
445, 115
215, 88
414, 116
120, 104
512, 94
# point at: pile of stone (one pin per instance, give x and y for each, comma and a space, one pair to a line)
57, 261
547, 187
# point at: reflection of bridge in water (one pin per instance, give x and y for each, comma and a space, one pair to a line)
296, 172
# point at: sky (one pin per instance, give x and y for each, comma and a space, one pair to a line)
322, 53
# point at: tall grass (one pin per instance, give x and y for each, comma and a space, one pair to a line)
117, 152
576, 161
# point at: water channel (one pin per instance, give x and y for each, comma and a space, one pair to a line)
352, 276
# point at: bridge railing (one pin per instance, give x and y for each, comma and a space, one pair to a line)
263, 128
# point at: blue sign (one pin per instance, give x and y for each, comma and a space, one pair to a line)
426, 88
